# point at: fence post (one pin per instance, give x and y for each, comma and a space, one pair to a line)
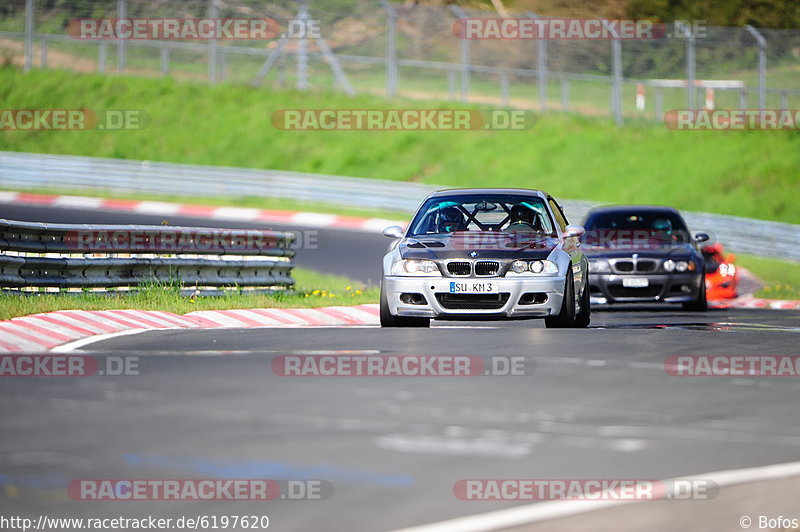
43, 50
541, 67
122, 13
690, 63
762, 65
101, 58
391, 49
212, 44
658, 103
302, 51
463, 45
616, 87
28, 35
743, 99
164, 59
564, 94
504, 88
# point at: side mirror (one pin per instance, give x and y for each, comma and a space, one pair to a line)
574, 230
701, 237
393, 231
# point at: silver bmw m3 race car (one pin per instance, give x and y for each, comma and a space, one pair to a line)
485, 254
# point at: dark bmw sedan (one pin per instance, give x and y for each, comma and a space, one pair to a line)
643, 254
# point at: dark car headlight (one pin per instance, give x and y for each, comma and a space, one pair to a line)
599, 266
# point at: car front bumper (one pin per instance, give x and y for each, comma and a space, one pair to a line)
666, 288
438, 304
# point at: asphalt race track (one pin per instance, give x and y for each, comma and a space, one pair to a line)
595, 403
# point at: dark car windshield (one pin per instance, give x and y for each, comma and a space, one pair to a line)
625, 225
509, 213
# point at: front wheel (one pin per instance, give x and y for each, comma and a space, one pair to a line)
583, 316
566, 317
388, 320
701, 303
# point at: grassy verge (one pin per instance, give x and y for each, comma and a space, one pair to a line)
313, 290
743, 173
781, 278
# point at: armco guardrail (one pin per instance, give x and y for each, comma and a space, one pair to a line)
31, 170
38, 256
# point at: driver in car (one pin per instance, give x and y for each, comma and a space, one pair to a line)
451, 219
523, 220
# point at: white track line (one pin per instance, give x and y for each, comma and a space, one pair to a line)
535, 513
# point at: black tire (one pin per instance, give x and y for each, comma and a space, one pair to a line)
388, 320
566, 317
701, 303
584, 316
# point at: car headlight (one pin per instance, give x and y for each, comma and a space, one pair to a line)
415, 267
669, 265
534, 266
681, 265
599, 266
727, 270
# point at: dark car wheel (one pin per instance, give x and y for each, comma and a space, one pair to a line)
701, 303
566, 317
583, 316
387, 320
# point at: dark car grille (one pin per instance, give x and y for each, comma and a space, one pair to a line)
459, 268
625, 266
637, 266
617, 291
487, 268
473, 301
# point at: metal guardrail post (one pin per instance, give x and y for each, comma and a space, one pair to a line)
565, 95
28, 34
762, 65
391, 49
464, 54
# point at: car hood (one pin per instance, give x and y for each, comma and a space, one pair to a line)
474, 245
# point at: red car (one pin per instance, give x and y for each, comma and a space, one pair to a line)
722, 279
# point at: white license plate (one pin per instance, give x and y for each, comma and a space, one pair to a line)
635, 282
474, 287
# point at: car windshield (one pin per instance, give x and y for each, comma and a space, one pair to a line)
507, 213
666, 226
